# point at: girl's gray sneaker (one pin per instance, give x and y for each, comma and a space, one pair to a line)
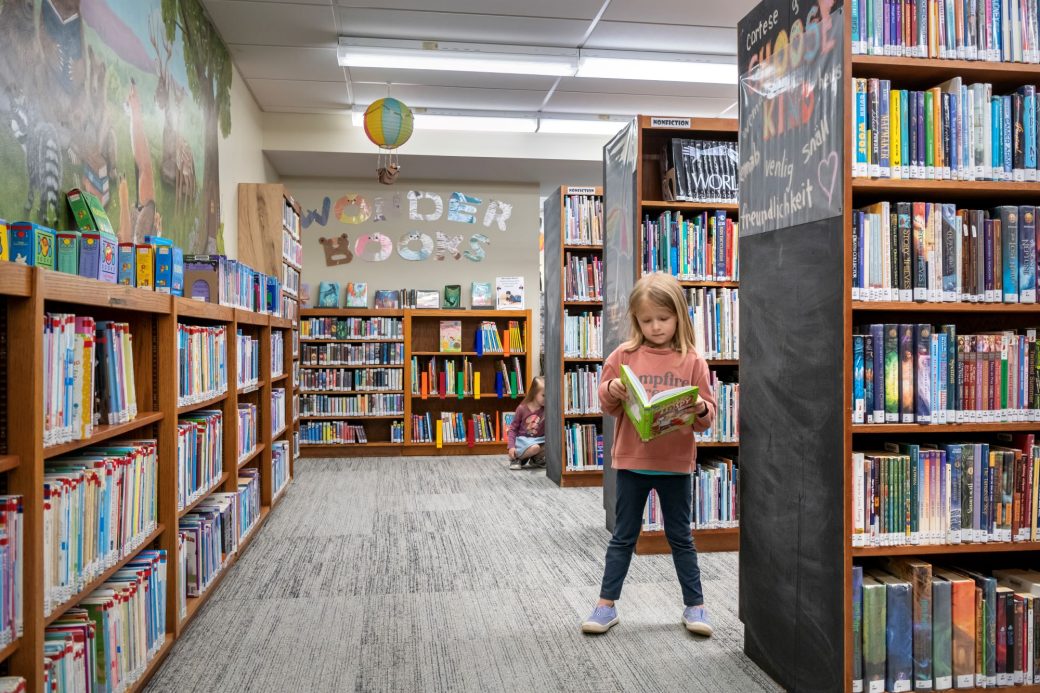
603, 618
697, 621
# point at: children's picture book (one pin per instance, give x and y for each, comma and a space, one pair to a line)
328, 295
452, 296
357, 295
509, 293
451, 335
664, 412
387, 298
507, 421
427, 299
481, 296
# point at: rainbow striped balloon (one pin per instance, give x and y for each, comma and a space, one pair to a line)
388, 123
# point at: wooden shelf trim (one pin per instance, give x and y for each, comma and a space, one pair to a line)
277, 378
936, 70
582, 246
69, 288
9, 649
885, 429
709, 283
583, 359
195, 603
153, 665
935, 549
102, 433
960, 189
500, 354
353, 392
338, 417
578, 415
356, 340
191, 308
358, 366
719, 444
729, 207
951, 307
183, 409
15, 279
9, 463
444, 444
279, 433
255, 387
56, 613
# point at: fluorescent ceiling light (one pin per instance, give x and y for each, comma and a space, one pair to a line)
570, 126
458, 57
535, 60
664, 67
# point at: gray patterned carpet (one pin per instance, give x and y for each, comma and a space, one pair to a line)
448, 574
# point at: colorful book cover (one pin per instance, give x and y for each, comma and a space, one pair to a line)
451, 336
32, 244
145, 259
868, 380
163, 259
427, 299
452, 296
5, 241
923, 400
68, 251
509, 293
906, 373
108, 263
357, 295
962, 591
858, 388
328, 295
899, 666
874, 656
177, 282
919, 575
481, 295
387, 298
857, 629
1027, 253
653, 416
942, 630
127, 269
1008, 216
90, 254
892, 373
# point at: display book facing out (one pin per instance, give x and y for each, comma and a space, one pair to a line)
923, 535
411, 382
134, 338
573, 357
683, 216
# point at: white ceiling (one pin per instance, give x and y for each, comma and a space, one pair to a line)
286, 52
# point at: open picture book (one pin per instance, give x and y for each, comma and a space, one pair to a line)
662, 413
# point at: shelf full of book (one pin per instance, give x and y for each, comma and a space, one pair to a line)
391, 382
670, 207
97, 402
910, 357
573, 222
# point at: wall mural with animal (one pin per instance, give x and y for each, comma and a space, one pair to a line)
124, 98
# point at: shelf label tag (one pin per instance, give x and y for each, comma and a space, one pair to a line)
571, 190
660, 122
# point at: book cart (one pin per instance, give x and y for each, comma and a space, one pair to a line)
633, 191
413, 341
798, 551
573, 246
27, 295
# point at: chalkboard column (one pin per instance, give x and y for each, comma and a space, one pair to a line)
620, 213
793, 308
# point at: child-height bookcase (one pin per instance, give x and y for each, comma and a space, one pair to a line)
388, 360
27, 294
573, 222
633, 194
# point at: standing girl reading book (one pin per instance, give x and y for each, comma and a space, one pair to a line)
527, 432
662, 355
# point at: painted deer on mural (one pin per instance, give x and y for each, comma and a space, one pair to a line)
178, 162
143, 215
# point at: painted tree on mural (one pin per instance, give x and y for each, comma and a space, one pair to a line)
209, 79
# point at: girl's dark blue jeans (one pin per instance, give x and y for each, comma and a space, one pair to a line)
676, 494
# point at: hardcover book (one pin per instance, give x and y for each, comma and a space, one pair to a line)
509, 293
427, 299
68, 252
387, 298
452, 296
664, 412
451, 335
357, 295
481, 296
328, 295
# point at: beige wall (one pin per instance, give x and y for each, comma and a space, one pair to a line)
241, 158
513, 252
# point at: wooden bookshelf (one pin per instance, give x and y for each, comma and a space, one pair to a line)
796, 559
642, 173
420, 329
26, 294
562, 300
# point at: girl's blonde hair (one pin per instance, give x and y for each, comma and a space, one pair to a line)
537, 385
660, 290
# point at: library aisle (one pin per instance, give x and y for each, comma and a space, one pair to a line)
448, 574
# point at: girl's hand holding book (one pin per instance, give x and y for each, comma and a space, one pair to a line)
617, 389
